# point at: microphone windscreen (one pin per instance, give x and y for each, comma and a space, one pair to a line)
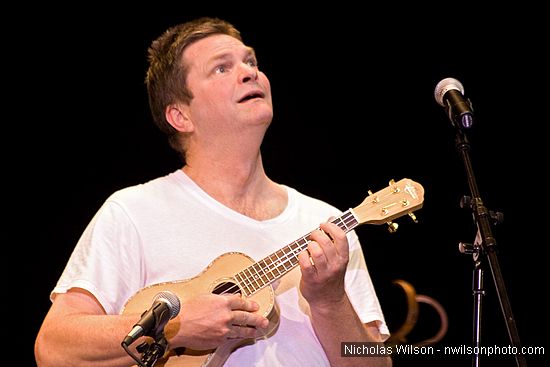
171, 300
444, 86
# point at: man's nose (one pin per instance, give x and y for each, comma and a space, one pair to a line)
248, 73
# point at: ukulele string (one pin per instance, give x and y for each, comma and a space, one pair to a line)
341, 222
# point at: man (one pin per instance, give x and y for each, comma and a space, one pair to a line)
208, 95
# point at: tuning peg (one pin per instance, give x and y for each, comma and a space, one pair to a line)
413, 217
395, 188
375, 199
392, 227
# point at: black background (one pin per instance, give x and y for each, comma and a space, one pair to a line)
354, 108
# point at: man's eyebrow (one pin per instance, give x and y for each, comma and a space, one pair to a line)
251, 51
226, 55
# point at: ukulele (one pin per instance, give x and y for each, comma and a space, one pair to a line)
237, 273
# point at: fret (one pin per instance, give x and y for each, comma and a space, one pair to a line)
243, 283
276, 272
346, 222
256, 276
251, 279
298, 247
340, 224
264, 277
278, 264
282, 260
285, 260
272, 267
266, 269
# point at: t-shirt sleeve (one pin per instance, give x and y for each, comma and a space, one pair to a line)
105, 260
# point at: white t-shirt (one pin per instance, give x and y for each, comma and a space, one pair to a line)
169, 229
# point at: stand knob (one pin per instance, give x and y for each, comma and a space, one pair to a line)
466, 248
497, 217
465, 202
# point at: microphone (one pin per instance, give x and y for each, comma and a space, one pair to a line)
166, 306
449, 93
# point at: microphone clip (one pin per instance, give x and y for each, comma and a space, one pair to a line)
459, 110
151, 352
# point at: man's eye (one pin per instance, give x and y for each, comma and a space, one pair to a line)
252, 62
220, 69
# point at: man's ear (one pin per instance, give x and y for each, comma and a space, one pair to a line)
178, 116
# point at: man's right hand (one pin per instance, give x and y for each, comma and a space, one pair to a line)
209, 320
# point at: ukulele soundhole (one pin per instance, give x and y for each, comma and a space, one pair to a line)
226, 288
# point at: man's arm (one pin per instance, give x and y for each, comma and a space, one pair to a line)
333, 317
334, 325
77, 332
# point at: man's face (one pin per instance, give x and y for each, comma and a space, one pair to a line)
229, 92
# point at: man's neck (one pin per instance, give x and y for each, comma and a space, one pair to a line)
244, 188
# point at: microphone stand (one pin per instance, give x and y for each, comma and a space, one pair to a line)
150, 352
485, 244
